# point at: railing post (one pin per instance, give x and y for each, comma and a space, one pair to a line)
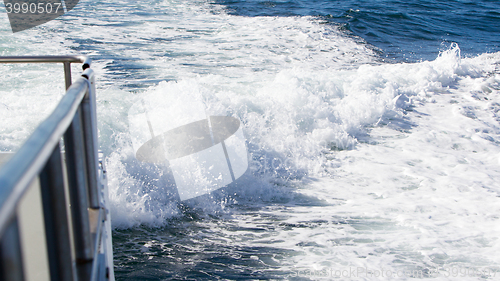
67, 74
11, 266
90, 130
56, 218
78, 187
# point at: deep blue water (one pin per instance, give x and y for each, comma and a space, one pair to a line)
408, 30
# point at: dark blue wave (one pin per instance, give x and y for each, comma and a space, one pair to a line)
404, 30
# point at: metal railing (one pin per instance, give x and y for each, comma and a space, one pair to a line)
65, 60
74, 242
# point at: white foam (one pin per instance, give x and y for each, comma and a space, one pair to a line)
418, 161
425, 197
412, 148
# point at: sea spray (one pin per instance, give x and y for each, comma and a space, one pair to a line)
294, 124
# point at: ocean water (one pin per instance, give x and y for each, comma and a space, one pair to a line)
372, 129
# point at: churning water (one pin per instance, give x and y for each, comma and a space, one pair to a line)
372, 129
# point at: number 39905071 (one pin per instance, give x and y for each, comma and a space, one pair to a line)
32, 8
